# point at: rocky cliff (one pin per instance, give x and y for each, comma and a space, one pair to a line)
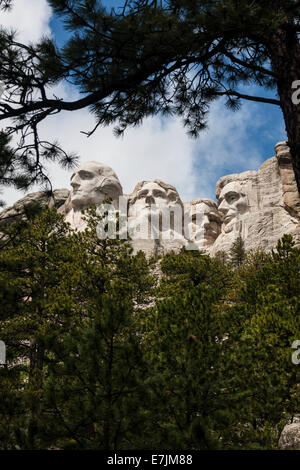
260, 206
16, 212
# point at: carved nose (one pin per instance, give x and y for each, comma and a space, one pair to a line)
223, 207
150, 199
206, 222
74, 183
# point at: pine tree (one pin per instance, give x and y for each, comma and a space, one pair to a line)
148, 57
237, 252
189, 405
5, 4
97, 376
97, 359
32, 261
265, 307
222, 256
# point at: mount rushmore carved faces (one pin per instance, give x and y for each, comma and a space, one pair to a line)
204, 222
150, 201
233, 201
237, 202
92, 182
152, 193
260, 206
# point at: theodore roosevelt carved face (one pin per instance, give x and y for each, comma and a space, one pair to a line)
205, 222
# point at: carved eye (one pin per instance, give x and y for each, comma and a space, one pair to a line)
86, 175
158, 193
213, 218
142, 194
232, 197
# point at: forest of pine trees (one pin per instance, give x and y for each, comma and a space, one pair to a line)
104, 353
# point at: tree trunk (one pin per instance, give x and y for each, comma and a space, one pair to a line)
284, 50
37, 353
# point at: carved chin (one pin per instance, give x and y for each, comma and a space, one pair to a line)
211, 236
80, 200
207, 241
207, 235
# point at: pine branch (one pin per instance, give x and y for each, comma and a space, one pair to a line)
258, 99
248, 65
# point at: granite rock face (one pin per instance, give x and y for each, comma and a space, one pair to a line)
92, 183
155, 218
16, 212
203, 221
260, 206
290, 436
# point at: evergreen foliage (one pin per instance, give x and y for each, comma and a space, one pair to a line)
237, 252
187, 353
105, 353
265, 305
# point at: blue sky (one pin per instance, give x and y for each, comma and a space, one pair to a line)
234, 142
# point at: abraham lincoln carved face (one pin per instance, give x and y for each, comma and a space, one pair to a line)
233, 201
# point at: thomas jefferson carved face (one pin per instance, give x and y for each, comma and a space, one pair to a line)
150, 196
156, 203
205, 225
233, 201
92, 182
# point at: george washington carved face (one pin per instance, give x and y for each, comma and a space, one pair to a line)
92, 182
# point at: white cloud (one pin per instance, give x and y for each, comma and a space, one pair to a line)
148, 152
29, 17
235, 142
162, 151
